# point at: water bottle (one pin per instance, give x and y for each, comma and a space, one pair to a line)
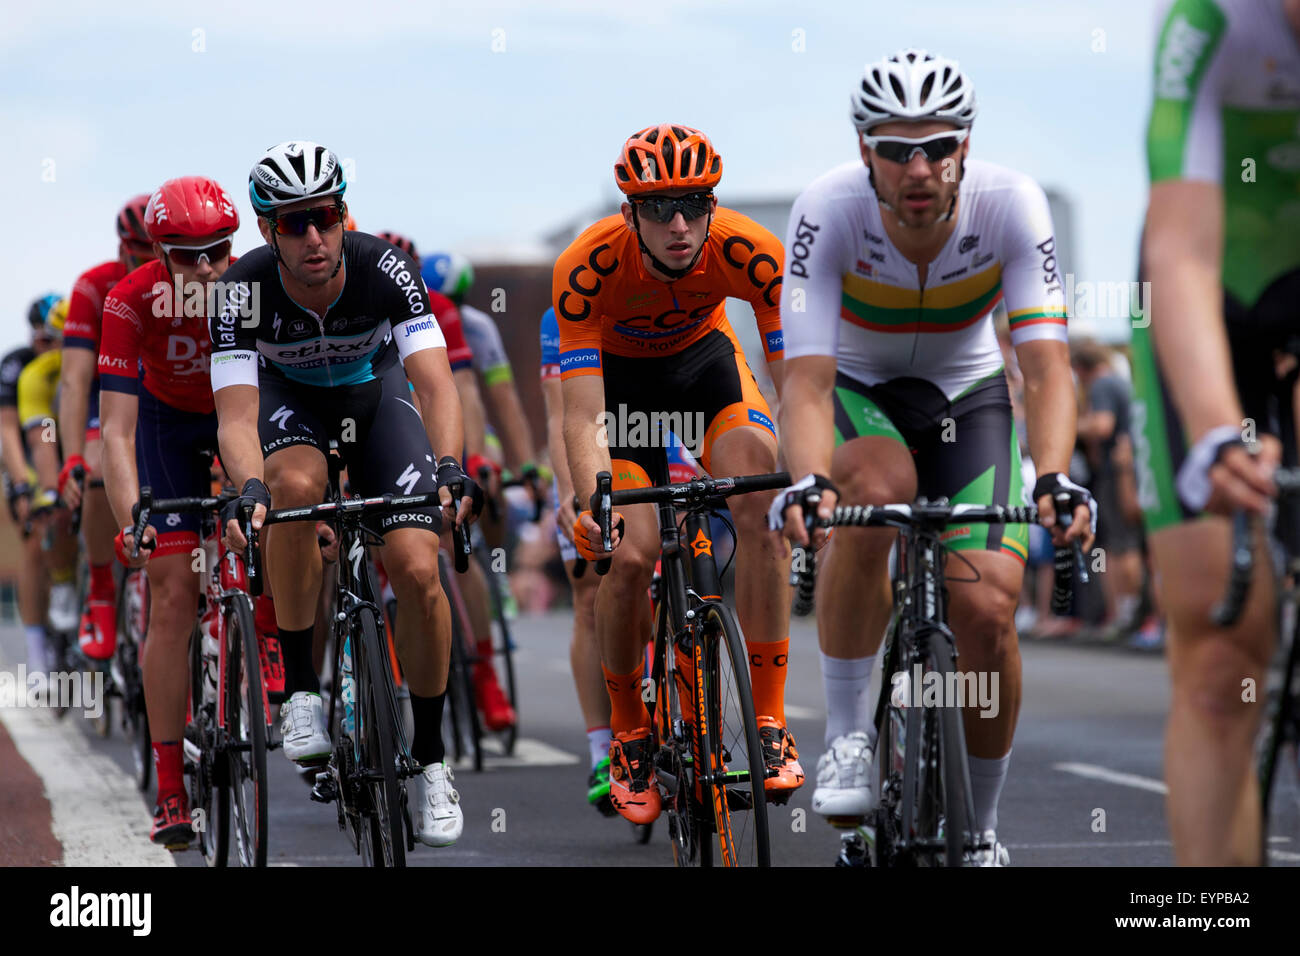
346, 688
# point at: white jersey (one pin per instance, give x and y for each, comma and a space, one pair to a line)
849, 293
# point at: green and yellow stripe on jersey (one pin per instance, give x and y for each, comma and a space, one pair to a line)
885, 307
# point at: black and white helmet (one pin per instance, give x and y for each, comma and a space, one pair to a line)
292, 172
912, 85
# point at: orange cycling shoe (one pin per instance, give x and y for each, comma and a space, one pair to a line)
497, 712
780, 754
171, 822
633, 786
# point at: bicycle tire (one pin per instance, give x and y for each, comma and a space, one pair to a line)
245, 726
384, 841
467, 729
731, 730
1281, 727
511, 734
942, 798
132, 624
209, 782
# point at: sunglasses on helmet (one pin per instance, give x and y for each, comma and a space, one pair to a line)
899, 149
193, 255
323, 218
664, 208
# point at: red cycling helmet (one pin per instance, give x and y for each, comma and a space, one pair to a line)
406, 245
188, 208
130, 221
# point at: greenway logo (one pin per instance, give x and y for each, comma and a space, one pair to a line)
1183, 46
75, 909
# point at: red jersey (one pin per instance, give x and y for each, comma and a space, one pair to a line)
146, 325
86, 306
459, 354
606, 301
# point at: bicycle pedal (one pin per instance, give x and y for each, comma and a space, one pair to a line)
739, 800
325, 789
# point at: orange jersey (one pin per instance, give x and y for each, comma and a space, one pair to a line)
606, 301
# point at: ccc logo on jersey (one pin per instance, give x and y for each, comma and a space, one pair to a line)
582, 285
751, 264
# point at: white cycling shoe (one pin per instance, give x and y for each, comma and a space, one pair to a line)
844, 778
996, 855
441, 820
302, 723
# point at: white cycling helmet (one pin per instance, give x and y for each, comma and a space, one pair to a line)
292, 172
912, 85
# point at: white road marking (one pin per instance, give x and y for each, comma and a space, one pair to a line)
528, 753
97, 814
795, 712
1094, 772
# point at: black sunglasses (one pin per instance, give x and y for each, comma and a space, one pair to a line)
323, 218
663, 208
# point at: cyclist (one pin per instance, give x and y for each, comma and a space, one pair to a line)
79, 423
340, 315
159, 429
1222, 245
584, 652
20, 484
38, 385
643, 331
451, 275
895, 387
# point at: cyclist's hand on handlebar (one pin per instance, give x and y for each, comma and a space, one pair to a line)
328, 541
788, 513
255, 493
70, 483
461, 498
1241, 481
587, 536
124, 544
1055, 487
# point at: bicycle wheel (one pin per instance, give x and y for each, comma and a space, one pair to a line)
1279, 736
507, 659
888, 760
383, 842
246, 733
943, 800
466, 728
209, 779
731, 750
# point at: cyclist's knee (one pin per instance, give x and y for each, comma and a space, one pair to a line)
988, 616
1218, 676
875, 486
632, 567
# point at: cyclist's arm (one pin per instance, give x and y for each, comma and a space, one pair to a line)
45, 456
11, 444
1182, 249
553, 398
475, 419
1050, 406
760, 284
241, 448
808, 415
507, 411
584, 404
118, 415
430, 374
74, 398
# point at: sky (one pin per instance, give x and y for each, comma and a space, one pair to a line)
481, 126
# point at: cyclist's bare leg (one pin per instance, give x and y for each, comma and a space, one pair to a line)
173, 603
97, 525
584, 653
983, 620
622, 626
853, 597
1213, 800
296, 477
423, 635
762, 555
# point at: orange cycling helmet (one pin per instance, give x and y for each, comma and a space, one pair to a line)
667, 157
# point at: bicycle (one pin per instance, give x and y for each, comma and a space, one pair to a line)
228, 732
1281, 727
709, 756
925, 811
366, 773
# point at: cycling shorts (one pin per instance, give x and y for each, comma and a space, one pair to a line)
173, 452
965, 450
699, 393
379, 432
92, 412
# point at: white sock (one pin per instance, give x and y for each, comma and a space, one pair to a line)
986, 780
598, 740
848, 706
37, 654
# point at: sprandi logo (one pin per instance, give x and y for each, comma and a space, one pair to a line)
66, 690
192, 300
955, 689
637, 429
